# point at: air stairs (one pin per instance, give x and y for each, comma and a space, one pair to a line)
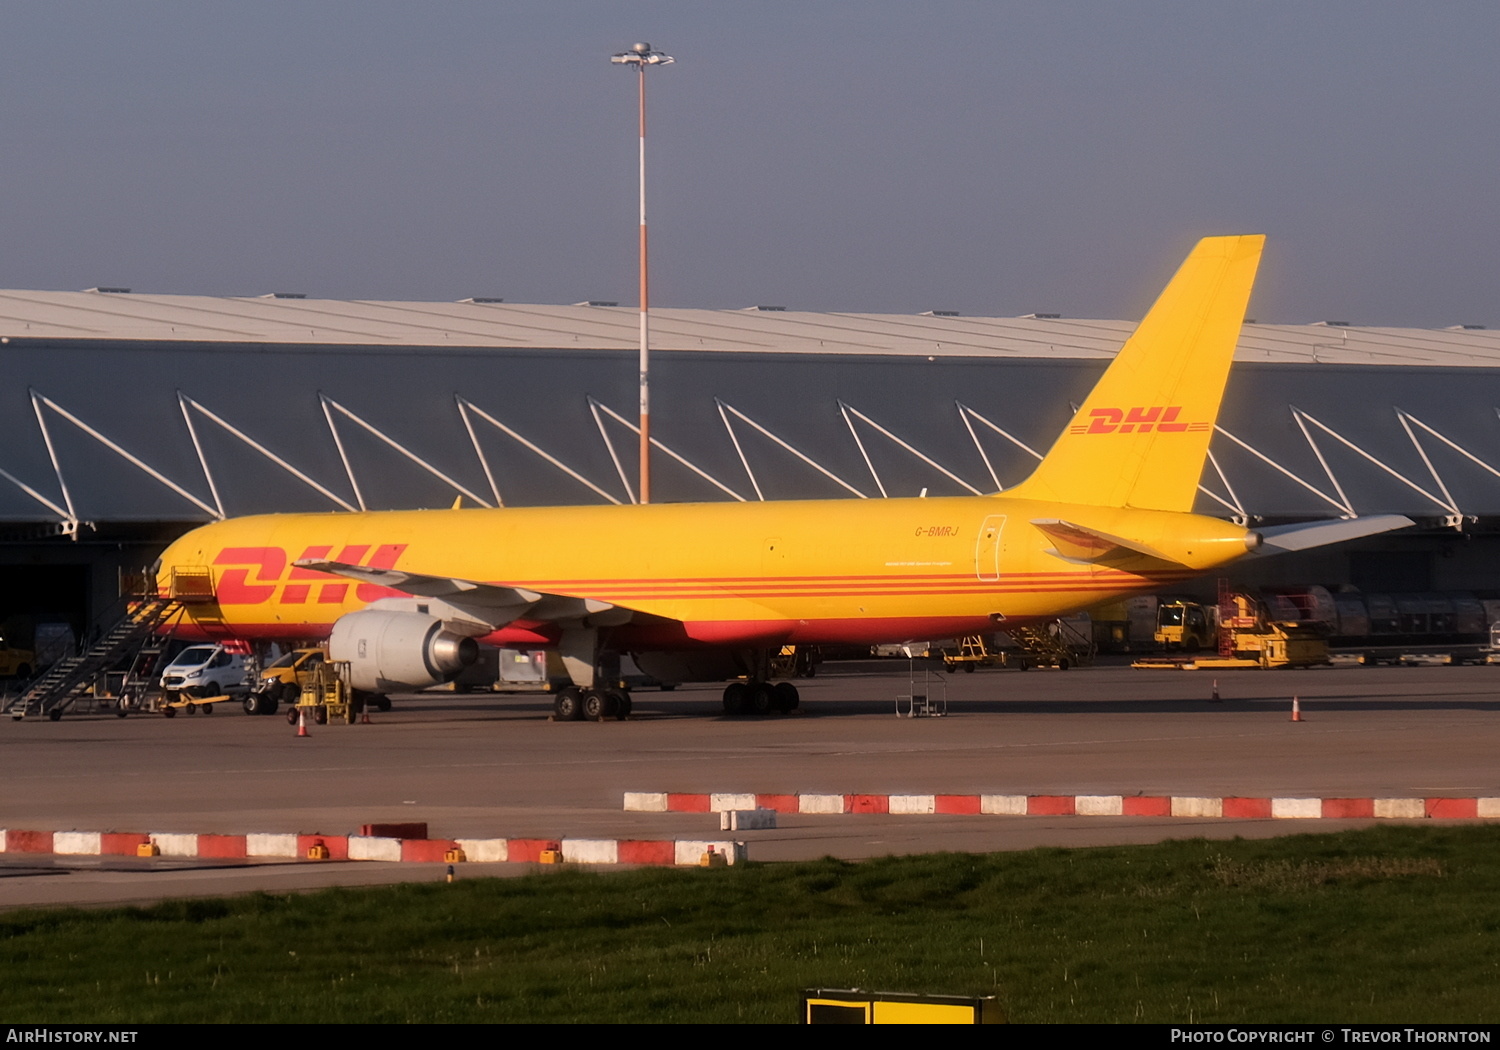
72, 679
1057, 644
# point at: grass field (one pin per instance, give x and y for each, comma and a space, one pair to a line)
1389, 924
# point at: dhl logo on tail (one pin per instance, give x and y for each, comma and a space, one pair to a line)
1137, 420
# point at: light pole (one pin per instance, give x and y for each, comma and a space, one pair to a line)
642, 56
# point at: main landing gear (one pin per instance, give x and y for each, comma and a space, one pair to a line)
590, 666
760, 698
755, 695
575, 704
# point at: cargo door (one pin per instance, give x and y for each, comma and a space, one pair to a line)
987, 548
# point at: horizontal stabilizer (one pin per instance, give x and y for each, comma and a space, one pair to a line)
1077, 543
1280, 539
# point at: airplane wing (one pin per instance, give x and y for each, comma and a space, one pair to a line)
484, 602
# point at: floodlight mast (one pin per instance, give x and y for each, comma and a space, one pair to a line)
641, 56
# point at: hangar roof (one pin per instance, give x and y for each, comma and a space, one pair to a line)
116, 407
118, 315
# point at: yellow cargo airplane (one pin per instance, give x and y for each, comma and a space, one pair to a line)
705, 591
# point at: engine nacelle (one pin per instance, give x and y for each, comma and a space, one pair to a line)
393, 652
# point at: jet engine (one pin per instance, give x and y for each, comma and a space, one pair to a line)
391, 652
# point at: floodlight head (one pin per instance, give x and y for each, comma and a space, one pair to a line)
641, 56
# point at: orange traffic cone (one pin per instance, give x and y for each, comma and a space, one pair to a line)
1296, 710
302, 723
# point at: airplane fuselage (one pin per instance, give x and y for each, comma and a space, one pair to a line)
712, 574
402, 595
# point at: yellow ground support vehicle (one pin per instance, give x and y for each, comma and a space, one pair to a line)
281, 683
1250, 638
310, 684
1246, 638
14, 662
1049, 645
972, 652
794, 661
292, 678
170, 703
1184, 625
324, 695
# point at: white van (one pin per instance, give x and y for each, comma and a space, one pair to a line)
206, 670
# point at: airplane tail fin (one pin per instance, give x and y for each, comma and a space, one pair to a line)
1141, 437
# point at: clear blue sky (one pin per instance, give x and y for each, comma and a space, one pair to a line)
874, 156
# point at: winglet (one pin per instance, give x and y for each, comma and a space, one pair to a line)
1141, 437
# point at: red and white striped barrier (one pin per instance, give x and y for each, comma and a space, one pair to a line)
368, 847
1239, 808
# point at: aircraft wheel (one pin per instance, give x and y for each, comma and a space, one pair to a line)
735, 694
760, 699
169, 712
597, 705
622, 712
618, 701
568, 707
382, 703
784, 697
252, 704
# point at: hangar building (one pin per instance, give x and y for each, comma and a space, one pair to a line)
129, 418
